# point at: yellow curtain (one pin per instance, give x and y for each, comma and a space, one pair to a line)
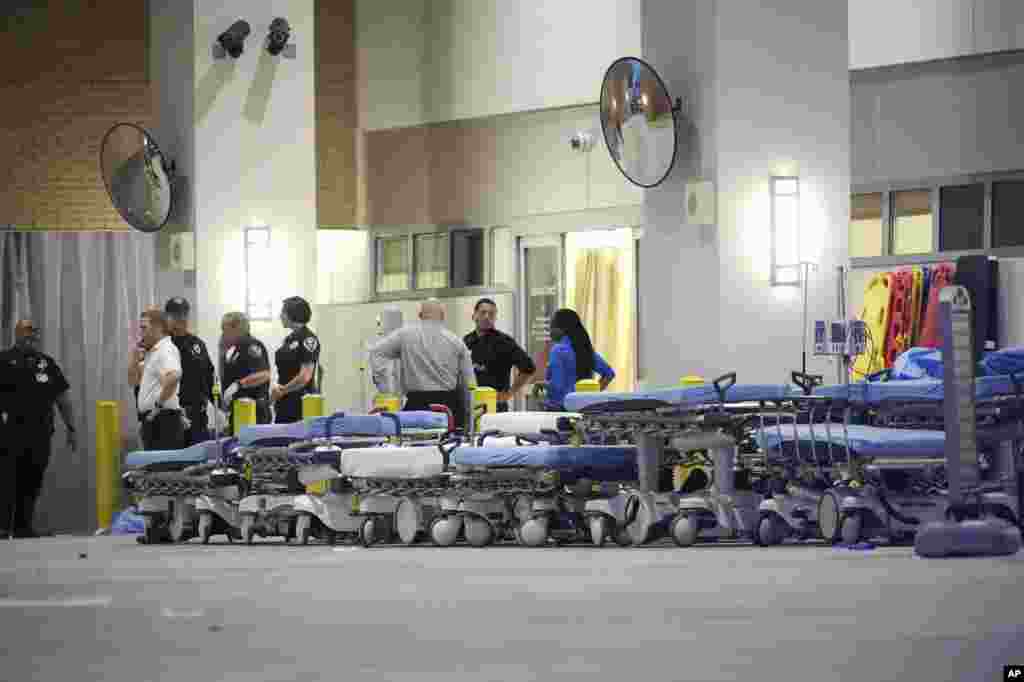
603, 302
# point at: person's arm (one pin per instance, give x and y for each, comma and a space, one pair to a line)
135, 367
525, 369
208, 375
170, 375
603, 370
386, 349
255, 379
307, 357
559, 378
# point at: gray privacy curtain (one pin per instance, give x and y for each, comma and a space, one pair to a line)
85, 291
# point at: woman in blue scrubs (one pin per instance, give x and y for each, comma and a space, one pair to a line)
572, 358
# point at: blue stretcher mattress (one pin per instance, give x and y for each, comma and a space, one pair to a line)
691, 396
340, 425
865, 441
598, 463
200, 453
927, 390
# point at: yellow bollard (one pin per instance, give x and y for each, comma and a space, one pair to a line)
692, 380
485, 401
387, 402
244, 413
588, 386
108, 461
313, 406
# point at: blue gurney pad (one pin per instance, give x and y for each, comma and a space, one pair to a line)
599, 463
691, 396
340, 425
914, 390
865, 441
200, 453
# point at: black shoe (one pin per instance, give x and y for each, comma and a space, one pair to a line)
23, 533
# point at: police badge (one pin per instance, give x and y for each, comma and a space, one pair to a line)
197, 349
310, 344
255, 351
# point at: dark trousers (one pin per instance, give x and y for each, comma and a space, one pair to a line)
422, 400
23, 461
164, 432
288, 410
199, 430
502, 407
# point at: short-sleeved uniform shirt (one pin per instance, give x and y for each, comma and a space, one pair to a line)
30, 383
494, 355
246, 357
301, 347
196, 386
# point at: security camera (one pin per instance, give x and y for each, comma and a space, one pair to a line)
232, 40
581, 142
280, 31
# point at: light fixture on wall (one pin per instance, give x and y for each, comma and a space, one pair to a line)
785, 226
277, 39
259, 303
232, 41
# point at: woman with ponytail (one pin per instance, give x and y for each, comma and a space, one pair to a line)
572, 358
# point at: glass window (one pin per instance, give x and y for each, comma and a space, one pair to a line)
467, 258
912, 222
392, 264
866, 225
1008, 213
962, 217
431, 257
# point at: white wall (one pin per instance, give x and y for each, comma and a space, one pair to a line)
343, 266
769, 94
889, 32
255, 159
425, 61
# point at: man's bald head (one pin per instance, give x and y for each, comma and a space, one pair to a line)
431, 309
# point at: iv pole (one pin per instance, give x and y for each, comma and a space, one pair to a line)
805, 268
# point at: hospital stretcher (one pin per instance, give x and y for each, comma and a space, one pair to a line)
281, 459
169, 483
519, 428
532, 493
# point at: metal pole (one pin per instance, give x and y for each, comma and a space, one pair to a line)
843, 366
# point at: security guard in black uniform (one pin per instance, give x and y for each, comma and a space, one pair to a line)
297, 362
495, 353
196, 388
30, 384
246, 372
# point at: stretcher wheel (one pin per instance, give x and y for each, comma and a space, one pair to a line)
598, 530
444, 531
248, 528
768, 531
332, 537
478, 531
180, 527
152, 533
534, 532
828, 516
303, 528
368, 532
206, 527
623, 538
851, 528
407, 521
685, 530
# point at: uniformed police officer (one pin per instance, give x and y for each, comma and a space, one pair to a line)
495, 354
30, 384
297, 360
246, 368
196, 388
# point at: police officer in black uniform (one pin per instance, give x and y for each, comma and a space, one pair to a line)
495, 353
30, 384
196, 388
246, 368
297, 362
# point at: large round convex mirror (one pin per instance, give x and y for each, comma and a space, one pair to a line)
639, 121
137, 177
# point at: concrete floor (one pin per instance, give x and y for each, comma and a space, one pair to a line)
108, 609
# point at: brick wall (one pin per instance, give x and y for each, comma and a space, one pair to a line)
338, 202
68, 71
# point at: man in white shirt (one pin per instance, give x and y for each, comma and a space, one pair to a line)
436, 365
156, 371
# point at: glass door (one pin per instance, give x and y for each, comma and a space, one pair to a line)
542, 292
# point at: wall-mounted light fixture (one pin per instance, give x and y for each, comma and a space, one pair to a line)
259, 302
232, 41
785, 208
277, 39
